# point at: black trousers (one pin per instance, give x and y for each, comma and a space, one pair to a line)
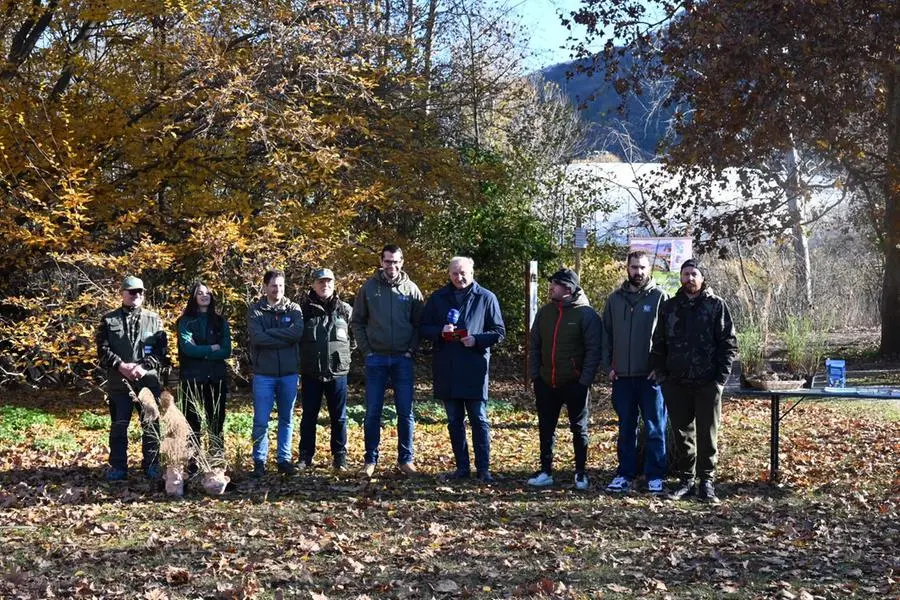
550, 401
203, 403
695, 413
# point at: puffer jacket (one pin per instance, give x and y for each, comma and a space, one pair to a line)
565, 342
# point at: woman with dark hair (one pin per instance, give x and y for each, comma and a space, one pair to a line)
204, 342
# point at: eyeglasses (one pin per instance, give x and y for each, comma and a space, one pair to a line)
135, 292
392, 262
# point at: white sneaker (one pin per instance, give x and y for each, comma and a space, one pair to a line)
541, 479
618, 485
581, 481
655, 486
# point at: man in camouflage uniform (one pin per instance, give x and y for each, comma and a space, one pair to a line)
132, 347
693, 347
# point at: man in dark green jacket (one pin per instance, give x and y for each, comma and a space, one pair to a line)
324, 363
132, 347
693, 347
385, 322
564, 355
275, 325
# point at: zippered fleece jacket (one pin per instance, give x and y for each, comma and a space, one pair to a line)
629, 318
132, 335
694, 343
565, 342
275, 334
386, 315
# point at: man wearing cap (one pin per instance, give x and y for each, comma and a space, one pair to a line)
694, 345
629, 317
275, 325
463, 321
132, 347
565, 353
385, 323
324, 363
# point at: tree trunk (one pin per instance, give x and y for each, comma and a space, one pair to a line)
427, 50
802, 267
890, 290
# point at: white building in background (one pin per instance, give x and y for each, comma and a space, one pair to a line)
618, 188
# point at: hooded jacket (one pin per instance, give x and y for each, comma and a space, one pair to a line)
694, 343
275, 334
565, 342
325, 350
629, 318
459, 372
386, 315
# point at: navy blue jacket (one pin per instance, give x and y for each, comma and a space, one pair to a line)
459, 372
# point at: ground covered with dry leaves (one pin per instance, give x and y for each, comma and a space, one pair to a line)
828, 530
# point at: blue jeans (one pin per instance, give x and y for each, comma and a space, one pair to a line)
121, 406
481, 432
335, 392
381, 368
631, 396
280, 392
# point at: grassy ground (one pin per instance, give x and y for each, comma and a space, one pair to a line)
828, 530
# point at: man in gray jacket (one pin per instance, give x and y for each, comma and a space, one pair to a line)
385, 323
275, 325
629, 318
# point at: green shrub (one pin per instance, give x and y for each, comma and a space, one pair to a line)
238, 424
804, 345
752, 348
16, 420
60, 441
93, 421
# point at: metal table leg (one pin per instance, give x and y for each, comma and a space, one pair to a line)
773, 437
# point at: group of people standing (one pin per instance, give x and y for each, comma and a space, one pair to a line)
668, 359
665, 357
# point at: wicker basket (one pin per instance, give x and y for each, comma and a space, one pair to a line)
776, 385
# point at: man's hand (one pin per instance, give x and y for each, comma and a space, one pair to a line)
468, 341
139, 372
652, 375
449, 328
127, 370
612, 375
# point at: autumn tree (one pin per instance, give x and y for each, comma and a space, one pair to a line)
759, 78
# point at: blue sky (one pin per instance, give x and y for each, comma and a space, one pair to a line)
541, 19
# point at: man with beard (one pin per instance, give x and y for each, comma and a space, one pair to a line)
324, 363
693, 347
132, 347
385, 323
564, 351
629, 317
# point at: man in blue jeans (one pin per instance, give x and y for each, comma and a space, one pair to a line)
324, 364
275, 325
463, 321
385, 323
629, 318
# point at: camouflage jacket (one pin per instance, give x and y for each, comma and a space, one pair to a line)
694, 342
